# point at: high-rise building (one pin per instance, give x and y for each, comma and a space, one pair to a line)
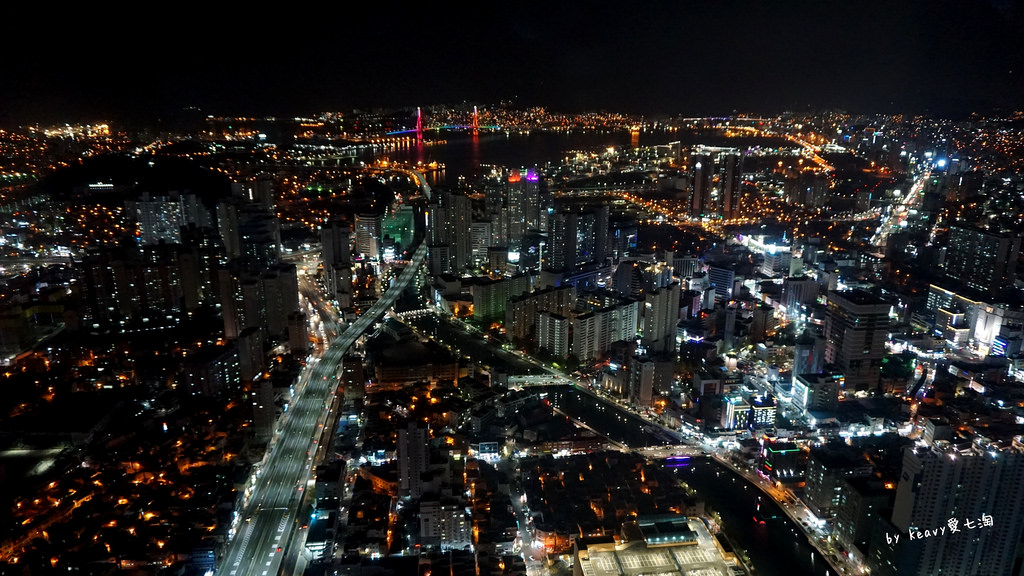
594, 332
412, 453
715, 176
969, 499
721, 280
660, 317
521, 311
450, 222
368, 235
160, 219
702, 171
826, 468
983, 260
336, 253
336, 242
212, 370
298, 332
817, 391
553, 334
856, 328
444, 523
577, 238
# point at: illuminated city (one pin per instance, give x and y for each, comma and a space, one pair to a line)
571, 299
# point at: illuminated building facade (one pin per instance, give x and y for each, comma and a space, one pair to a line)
977, 489
856, 328
981, 259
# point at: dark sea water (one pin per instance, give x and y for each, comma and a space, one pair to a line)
469, 156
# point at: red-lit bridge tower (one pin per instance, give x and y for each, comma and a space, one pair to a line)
476, 122
419, 125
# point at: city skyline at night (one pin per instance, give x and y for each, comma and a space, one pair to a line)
525, 290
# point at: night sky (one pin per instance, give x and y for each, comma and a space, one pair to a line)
693, 58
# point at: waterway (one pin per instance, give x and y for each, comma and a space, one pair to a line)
469, 156
776, 548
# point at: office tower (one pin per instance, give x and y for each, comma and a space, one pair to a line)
660, 317
368, 236
856, 328
975, 492
413, 455
798, 293
397, 231
686, 266
982, 259
439, 259
816, 392
808, 354
642, 380
336, 242
721, 280
777, 261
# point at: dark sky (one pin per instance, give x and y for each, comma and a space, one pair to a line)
696, 58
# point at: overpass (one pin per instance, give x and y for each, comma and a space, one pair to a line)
267, 526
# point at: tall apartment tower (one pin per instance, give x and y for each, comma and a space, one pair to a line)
336, 253
660, 317
731, 172
450, 224
856, 324
982, 259
523, 201
413, 456
703, 173
715, 176
976, 493
577, 238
